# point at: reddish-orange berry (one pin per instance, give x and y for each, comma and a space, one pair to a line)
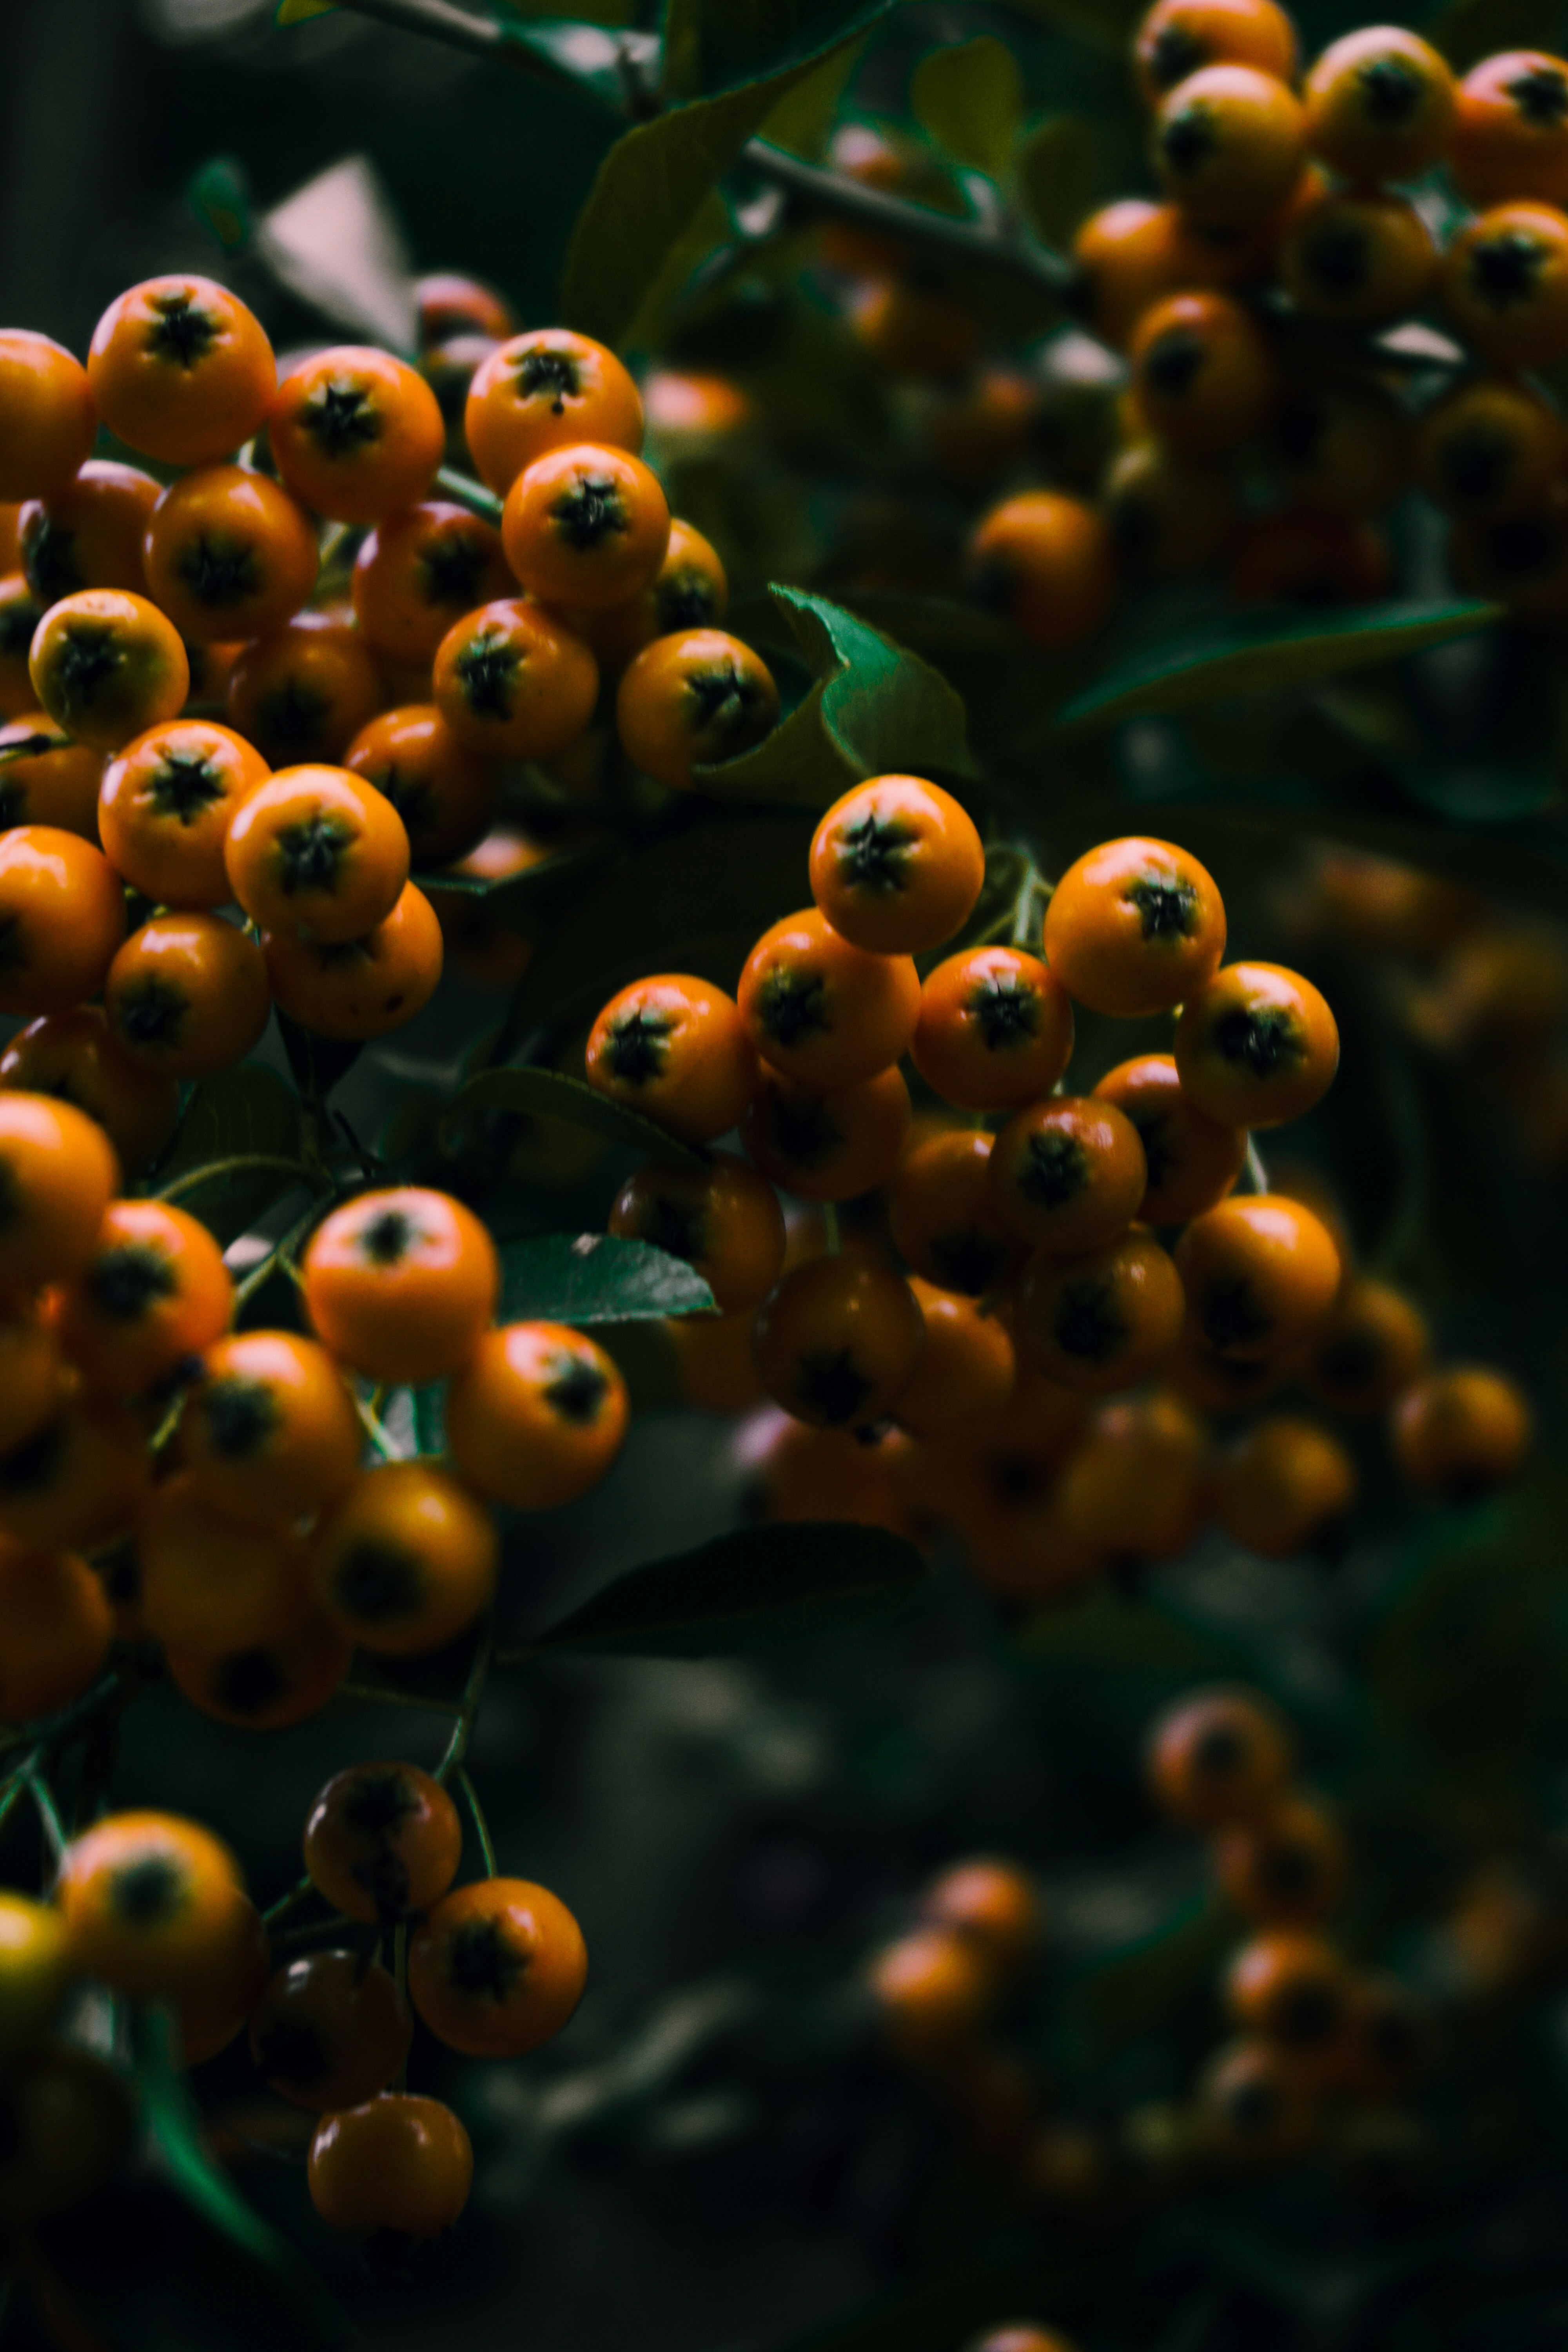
1046, 561
107, 665
818, 1009
362, 988
420, 570
1203, 375
62, 915
536, 1416
328, 2033
1068, 1173
688, 591
1218, 1757
675, 1049
49, 779
1134, 926
1178, 37
934, 1990
257, 1597
896, 866
1191, 1161
1511, 129
187, 994
1462, 1431
713, 1366
993, 1906
693, 699
405, 1560
228, 555
586, 525
546, 390
1505, 285
497, 1967
147, 1897
58, 1625
267, 1686
303, 693
395, 2164
513, 680
382, 1841
318, 852
826, 1147
1253, 2105
1131, 255
965, 1374
450, 304
995, 1029
982, 432
88, 534
1358, 257
32, 1374
1291, 1989
1103, 1321
839, 1341
268, 1432
946, 1217
1256, 1046
913, 330
57, 1174
1137, 1486
1261, 1272
1282, 1485
356, 434
1287, 1869
181, 370
165, 807
1492, 447
72, 1056
1229, 143
46, 416
1379, 105
154, 1291
401, 1284
1346, 447
1369, 1348
445, 794
76, 1481
1166, 515
724, 1220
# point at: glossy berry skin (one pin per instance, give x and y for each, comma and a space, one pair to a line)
383, 1841
319, 853
1192, 1162
587, 525
1253, 2107
405, 1560
1044, 561
63, 913
947, 1218
827, 1146
934, 1991
1462, 1431
1257, 1046
450, 304
896, 866
497, 1967
328, 2033
675, 1049
77, 1481
546, 390
1361, 259
1138, 1486
396, 2164
724, 1220
1282, 1485
1372, 1347
356, 434
1134, 926
145, 1897
1379, 106
1287, 1870
966, 1372
1218, 1757
187, 994
1291, 1989
689, 590
839, 1341
420, 570
514, 682
154, 1291
303, 693
1178, 37
1130, 254
995, 1029
818, 1009
268, 1432
259, 1597
90, 533
1100, 1322
401, 1284
59, 1629
360, 988
229, 555
165, 807
59, 1173
265, 1686
33, 1376
180, 370
1202, 376
1259, 1271
46, 416
106, 665
52, 782
1228, 144
1505, 285
694, 700
992, 1905
1511, 129
445, 794
34, 1970
1492, 447
1068, 1174
536, 1416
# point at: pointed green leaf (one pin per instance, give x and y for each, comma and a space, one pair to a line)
1057, 168
246, 1109
873, 709
970, 97
547, 1094
1254, 657
597, 1278
760, 1585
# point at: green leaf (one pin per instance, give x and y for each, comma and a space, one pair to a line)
694, 903
804, 118
597, 1278
300, 12
724, 43
248, 1108
1467, 30
176, 2125
761, 1584
1057, 168
970, 97
873, 709
220, 200
549, 1094
653, 180
1254, 657
1105, 24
